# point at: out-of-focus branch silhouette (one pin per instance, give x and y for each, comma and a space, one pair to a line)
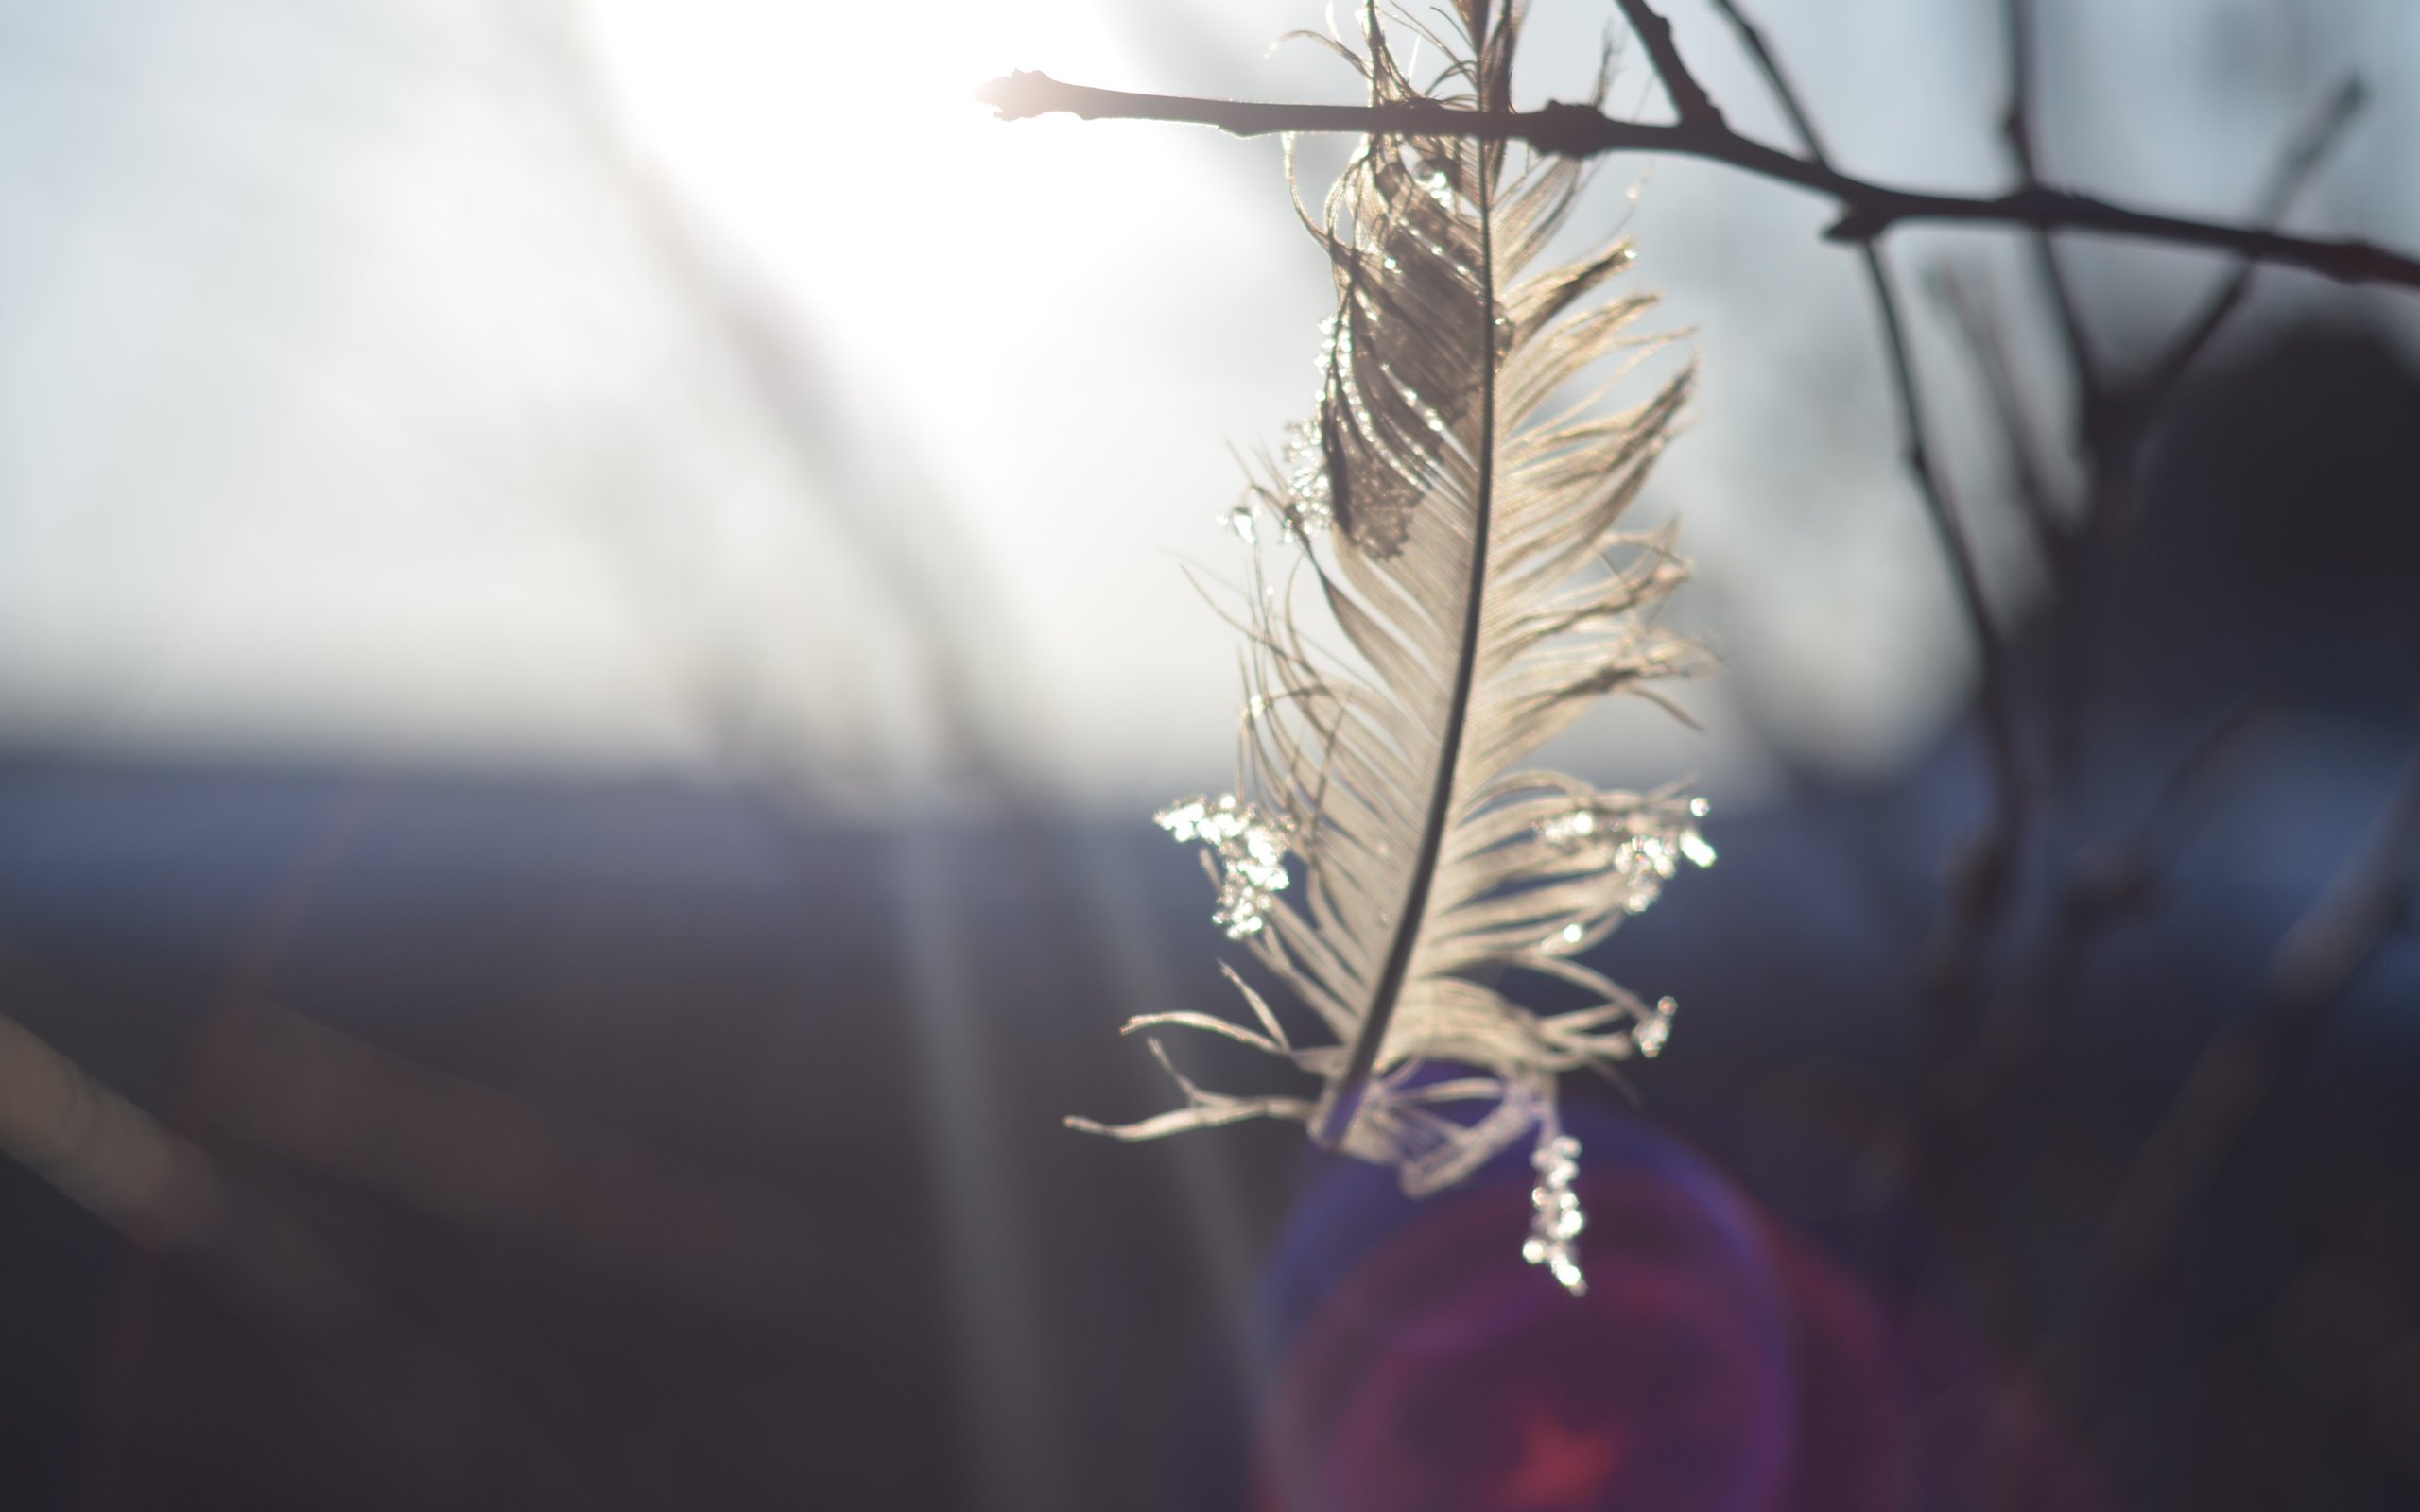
1993, 997
99, 1149
1981, 878
164, 1193
2233, 1079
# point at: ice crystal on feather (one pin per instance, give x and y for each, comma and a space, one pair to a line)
1555, 1216
1641, 839
1251, 850
1451, 513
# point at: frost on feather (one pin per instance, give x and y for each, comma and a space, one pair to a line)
1449, 524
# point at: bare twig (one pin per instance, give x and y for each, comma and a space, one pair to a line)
1867, 209
1984, 867
1974, 317
2308, 976
2106, 884
2016, 129
1688, 97
2294, 170
2233, 1079
2115, 417
2229, 1084
1913, 426
1768, 63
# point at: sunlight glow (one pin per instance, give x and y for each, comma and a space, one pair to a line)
1036, 309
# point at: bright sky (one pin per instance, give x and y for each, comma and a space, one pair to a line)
351, 408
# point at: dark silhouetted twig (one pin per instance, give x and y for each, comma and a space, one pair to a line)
1867, 209
1983, 868
2149, 394
2016, 129
2233, 1079
1688, 97
2107, 883
1972, 314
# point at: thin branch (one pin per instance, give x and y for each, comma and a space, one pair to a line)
2016, 124
1914, 427
2016, 129
2313, 967
1768, 63
1867, 209
2106, 884
2233, 1079
2116, 418
1688, 97
1971, 313
2302, 160
1986, 863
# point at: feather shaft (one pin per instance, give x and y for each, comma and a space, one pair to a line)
1343, 1103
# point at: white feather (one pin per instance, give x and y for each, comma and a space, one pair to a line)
1456, 516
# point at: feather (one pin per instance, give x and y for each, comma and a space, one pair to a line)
1454, 513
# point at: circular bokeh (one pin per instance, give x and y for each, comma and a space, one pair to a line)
1717, 1361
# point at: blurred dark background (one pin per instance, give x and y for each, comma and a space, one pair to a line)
391, 1122
633, 1145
